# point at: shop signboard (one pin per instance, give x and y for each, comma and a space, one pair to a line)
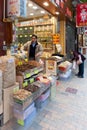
16, 8
81, 15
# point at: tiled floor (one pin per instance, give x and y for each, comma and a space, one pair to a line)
66, 111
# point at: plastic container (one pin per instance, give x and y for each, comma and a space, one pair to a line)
22, 115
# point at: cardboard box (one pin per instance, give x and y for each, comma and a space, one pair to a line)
8, 102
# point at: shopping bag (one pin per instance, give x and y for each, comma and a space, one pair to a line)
79, 61
74, 65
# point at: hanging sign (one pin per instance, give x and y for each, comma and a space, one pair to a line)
81, 15
16, 8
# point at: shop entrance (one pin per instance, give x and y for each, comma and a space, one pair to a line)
70, 40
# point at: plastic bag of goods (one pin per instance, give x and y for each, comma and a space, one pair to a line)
7, 65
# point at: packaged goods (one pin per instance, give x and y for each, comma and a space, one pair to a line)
22, 94
7, 65
64, 66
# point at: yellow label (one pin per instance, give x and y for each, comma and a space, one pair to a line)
31, 80
25, 84
26, 60
20, 122
36, 71
28, 75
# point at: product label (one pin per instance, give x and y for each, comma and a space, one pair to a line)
36, 71
31, 80
10, 60
20, 122
28, 75
25, 84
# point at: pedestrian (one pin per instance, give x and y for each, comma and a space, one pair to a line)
34, 48
79, 58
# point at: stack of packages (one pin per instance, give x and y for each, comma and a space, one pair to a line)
65, 70
7, 66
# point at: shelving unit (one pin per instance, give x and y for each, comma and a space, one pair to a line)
43, 31
24, 33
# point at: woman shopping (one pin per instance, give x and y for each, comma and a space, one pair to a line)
79, 59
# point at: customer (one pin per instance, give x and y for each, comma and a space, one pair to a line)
34, 48
79, 58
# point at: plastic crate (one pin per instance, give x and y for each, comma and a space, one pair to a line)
28, 120
22, 115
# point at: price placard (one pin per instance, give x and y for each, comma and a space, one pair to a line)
20, 122
31, 80
28, 75
36, 71
25, 84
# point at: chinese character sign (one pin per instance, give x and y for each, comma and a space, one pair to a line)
16, 8
81, 15
13, 8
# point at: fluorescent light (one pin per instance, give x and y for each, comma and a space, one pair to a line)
34, 7
57, 13
30, 4
46, 4
31, 13
42, 12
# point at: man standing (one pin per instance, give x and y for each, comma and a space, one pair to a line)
34, 49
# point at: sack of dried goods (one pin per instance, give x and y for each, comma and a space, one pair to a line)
7, 65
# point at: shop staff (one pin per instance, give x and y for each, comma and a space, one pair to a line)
34, 49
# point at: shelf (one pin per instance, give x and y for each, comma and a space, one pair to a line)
43, 24
34, 25
44, 31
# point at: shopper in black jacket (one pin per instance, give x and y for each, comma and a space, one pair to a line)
79, 58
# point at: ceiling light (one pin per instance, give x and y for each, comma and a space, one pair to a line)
31, 13
34, 7
42, 12
30, 4
57, 13
46, 4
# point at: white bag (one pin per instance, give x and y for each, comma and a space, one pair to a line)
74, 65
79, 61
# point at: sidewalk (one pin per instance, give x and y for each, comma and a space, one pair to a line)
67, 111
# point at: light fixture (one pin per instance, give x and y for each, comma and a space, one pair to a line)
42, 12
57, 13
35, 7
30, 4
46, 4
31, 13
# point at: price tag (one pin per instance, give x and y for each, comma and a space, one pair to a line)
25, 84
28, 75
36, 71
20, 122
19, 63
31, 80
